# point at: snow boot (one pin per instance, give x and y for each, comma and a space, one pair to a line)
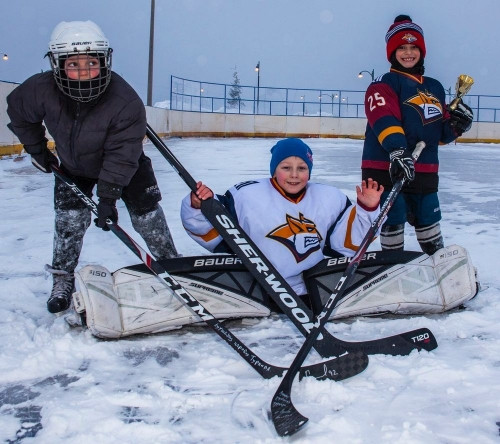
62, 290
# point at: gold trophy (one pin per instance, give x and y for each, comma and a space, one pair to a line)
464, 84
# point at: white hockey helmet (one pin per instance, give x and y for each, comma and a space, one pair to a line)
80, 38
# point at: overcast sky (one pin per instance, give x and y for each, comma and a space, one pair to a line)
300, 43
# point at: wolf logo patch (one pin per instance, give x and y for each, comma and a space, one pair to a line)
299, 235
427, 105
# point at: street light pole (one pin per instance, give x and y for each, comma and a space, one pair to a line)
346, 100
372, 74
332, 96
257, 69
149, 101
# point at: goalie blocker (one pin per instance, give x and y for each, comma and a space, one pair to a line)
132, 300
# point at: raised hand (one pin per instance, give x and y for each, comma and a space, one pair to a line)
368, 194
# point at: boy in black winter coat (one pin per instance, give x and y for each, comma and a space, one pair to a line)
98, 123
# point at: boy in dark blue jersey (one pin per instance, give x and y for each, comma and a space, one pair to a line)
403, 107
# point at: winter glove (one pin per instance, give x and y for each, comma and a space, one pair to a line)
106, 209
461, 118
402, 165
41, 157
108, 190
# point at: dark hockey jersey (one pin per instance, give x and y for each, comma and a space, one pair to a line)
403, 109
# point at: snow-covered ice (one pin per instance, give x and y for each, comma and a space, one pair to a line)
61, 385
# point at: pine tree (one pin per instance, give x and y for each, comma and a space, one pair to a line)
235, 92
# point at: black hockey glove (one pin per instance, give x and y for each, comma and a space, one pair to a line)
109, 190
402, 165
41, 157
461, 118
106, 209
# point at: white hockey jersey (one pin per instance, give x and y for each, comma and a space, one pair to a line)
291, 233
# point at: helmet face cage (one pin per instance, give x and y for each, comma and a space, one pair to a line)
84, 39
82, 90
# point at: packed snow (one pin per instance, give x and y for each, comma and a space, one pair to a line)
60, 384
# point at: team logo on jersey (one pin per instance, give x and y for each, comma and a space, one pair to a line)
300, 236
427, 105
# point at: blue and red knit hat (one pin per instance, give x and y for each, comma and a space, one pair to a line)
404, 32
290, 147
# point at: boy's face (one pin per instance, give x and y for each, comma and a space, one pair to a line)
292, 174
82, 67
408, 55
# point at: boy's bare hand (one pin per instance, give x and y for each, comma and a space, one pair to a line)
369, 193
202, 193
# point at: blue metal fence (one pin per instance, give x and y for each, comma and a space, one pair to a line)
209, 97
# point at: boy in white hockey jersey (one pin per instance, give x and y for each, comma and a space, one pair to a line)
293, 221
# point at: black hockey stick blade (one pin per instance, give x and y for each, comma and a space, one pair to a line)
286, 418
401, 344
336, 369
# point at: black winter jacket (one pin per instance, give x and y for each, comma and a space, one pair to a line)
98, 140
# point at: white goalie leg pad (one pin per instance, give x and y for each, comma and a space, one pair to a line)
95, 297
132, 302
428, 284
457, 277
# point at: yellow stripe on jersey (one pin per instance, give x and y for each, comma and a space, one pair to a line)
211, 235
388, 131
348, 236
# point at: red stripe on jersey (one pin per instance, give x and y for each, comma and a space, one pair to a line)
375, 164
426, 167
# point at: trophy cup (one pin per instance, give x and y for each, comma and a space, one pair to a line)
464, 84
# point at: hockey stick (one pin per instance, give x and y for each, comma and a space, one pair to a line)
286, 418
275, 285
336, 369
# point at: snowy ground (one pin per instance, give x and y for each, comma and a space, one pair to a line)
60, 385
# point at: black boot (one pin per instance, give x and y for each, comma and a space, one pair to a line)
62, 291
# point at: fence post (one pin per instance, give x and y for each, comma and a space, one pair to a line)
171, 83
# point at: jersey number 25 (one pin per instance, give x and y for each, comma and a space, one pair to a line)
375, 100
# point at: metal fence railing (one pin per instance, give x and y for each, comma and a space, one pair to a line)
209, 97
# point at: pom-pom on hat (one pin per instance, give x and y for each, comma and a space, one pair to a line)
404, 32
290, 147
